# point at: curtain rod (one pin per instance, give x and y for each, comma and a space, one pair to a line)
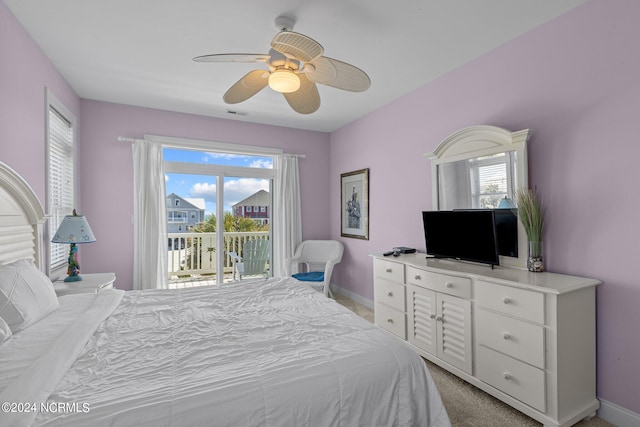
132, 140
125, 139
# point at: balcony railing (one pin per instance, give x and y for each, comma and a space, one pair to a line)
177, 217
177, 220
193, 256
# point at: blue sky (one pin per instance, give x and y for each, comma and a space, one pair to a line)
202, 186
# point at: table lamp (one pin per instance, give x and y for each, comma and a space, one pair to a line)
506, 203
74, 229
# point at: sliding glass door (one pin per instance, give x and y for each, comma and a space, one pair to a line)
191, 229
216, 203
247, 225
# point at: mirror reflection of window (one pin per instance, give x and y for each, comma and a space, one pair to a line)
477, 183
492, 179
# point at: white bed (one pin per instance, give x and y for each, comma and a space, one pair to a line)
258, 353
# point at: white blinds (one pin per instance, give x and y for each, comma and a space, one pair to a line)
492, 179
61, 179
489, 177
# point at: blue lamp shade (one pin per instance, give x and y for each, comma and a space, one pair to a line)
506, 203
74, 229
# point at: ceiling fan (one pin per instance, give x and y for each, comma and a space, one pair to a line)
295, 64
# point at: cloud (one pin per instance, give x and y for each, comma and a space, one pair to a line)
204, 190
262, 163
235, 190
238, 159
225, 156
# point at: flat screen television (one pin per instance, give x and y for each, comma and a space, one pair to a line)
468, 235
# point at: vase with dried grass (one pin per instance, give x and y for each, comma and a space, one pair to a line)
531, 212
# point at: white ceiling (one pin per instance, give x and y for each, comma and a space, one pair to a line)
139, 52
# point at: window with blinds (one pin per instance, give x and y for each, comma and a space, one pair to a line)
61, 192
489, 180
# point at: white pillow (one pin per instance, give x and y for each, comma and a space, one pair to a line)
26, 294
5, 331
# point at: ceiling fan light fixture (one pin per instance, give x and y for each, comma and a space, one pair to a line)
284, 80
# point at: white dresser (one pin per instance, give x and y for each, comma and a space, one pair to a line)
528, 339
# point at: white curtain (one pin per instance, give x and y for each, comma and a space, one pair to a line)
287, 232
149, 217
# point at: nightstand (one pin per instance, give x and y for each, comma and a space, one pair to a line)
90, 283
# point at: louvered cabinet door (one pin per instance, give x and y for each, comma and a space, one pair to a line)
453, 321
421, 318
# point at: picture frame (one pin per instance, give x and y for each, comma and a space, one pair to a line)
354, 204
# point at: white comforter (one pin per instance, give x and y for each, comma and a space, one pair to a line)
261, 353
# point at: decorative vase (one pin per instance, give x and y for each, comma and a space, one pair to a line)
535, 261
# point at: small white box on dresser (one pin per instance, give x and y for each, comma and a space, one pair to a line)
90, 283
526, 338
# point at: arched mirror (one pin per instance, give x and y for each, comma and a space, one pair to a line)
481, 167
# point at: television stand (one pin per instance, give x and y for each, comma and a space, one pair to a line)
503, 330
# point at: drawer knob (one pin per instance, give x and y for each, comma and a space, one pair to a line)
439, 319
433, 316
389, 294
506, 300
507, 376
389, 320
388, 270
417, 277
449, 285
506, 336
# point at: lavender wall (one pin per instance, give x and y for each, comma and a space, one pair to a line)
24, 74
107, 184
575, 82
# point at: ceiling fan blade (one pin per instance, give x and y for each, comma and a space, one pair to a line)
305, 100
297, 46
233, 57
252, 83
338, 74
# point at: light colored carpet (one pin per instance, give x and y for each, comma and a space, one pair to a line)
467, 405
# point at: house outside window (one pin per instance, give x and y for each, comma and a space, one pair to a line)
184, 213
255, 207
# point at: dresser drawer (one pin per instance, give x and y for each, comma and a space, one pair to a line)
522, 303
516, 338
389, 270
389, 293
391, 320
452, 285
517, 379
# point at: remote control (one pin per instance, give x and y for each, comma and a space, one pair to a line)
388, 253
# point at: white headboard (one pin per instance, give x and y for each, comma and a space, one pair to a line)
21, 220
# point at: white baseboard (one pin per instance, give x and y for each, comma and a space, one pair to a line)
618, 415
353, 297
